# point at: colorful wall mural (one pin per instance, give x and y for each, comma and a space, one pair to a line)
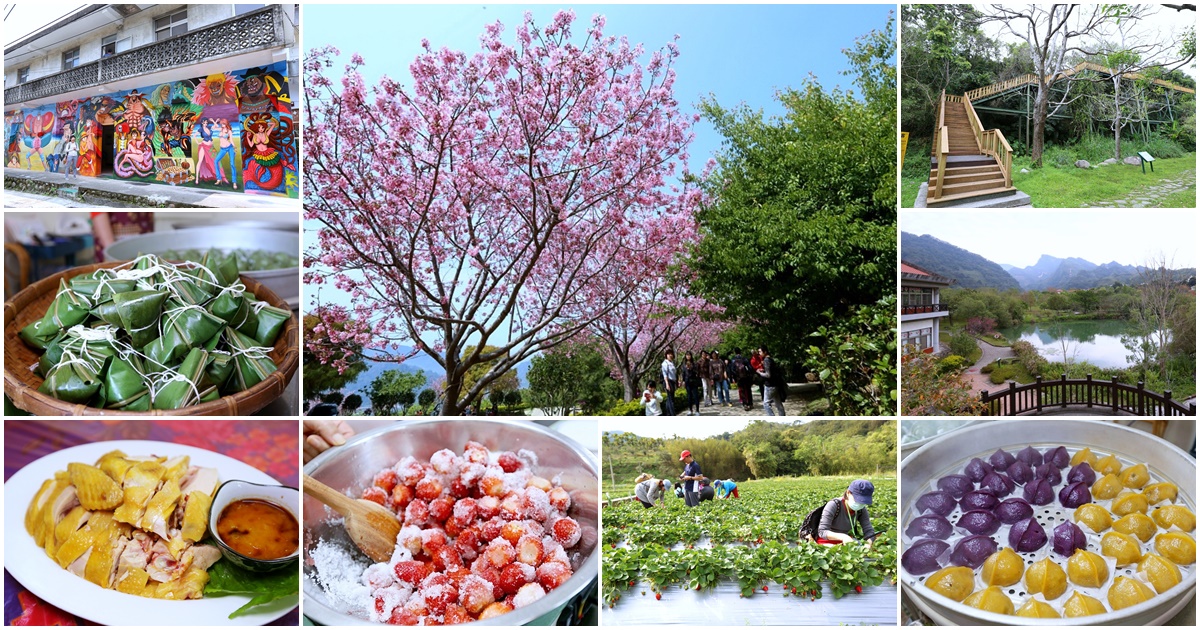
231, 131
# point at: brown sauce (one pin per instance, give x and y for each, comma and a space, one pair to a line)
259, 529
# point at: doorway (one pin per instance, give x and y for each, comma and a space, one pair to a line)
108, 148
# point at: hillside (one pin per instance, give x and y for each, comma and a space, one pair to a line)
971, 271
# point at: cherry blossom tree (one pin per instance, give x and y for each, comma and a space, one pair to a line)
497, 205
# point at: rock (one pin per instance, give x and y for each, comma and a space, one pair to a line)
1024, 170
1109, 161
1133, 159
1082, 164
1095, 166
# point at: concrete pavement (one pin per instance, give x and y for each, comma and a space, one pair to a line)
102, 191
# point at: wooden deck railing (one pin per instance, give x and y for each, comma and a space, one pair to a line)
941, 147
1109, 397
1025, 79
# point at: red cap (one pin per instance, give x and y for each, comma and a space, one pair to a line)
684, 454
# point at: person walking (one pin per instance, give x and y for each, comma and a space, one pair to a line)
774, 382
705, 378
670, 383
652, 400
691, 477
720, 376
743, 375
71, 151
691, 382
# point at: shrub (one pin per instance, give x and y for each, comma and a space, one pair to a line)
1029, 357
962, 344
987, 369
980, 325
951, 363
1001, 374
622, 408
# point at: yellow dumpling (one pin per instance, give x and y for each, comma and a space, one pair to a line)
1003, 568
1129, 502
1087, 569
953, 582
1135, 476
1080, 605
1162, 491
1176, 547
1040, 610
1047, 578
1094, 516
991, 599
1126, 592
1136, 524
1162, 573
1085, 455
1106, 487
1123, 547
1107, 465
1176, 515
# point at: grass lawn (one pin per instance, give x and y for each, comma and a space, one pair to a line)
908, 190
1072, 187
1011, 369
998, 343
1181, 199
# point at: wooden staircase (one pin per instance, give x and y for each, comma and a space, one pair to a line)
968, 163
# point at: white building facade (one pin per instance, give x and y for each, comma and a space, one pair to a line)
921, 309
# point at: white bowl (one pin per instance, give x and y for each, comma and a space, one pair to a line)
236, 490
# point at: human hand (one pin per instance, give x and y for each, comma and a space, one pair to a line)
321, 435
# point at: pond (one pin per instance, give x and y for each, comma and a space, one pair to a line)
1096, 341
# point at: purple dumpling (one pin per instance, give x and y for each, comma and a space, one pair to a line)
972, 551
1039, 492
997, 483
981, 499
956, 485
1027, 535
976, 469
1020, 472
929, 525
1067, 538
1082, 472
922, 556
939, 502
979, 522
1074, 495
1058, 456
1049, 472
1001, 459
1030, 456
1012, 510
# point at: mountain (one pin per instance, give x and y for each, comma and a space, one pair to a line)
419, 362
1077, 273
971, 271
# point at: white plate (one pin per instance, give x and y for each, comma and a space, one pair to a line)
30, 565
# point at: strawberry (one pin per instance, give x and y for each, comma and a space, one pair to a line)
858, 589
658, 596
764, 589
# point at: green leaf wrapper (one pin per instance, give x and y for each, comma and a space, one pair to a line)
125, 385
195, 389
72, 380
251, 366
270, 322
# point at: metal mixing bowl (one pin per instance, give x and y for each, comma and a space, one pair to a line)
1165, 460
352, 467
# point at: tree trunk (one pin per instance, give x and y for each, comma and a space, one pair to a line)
629, 382
1117, 116
453, 389
1041, 107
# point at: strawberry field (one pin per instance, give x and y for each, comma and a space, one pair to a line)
741, 554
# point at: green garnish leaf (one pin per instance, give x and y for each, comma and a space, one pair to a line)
226, 578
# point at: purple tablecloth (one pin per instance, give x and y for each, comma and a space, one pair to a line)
271, 446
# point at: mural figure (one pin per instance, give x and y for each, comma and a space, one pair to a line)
176, 134
223, 144
205, 168
263, 165
89, 149
261, 90
137, 158
136, 109
36, 128
218, 89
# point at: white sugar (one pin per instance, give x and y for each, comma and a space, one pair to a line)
339, 574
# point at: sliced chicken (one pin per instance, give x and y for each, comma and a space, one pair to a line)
78, 565
201, 479
204, 556
159, 509
140, 485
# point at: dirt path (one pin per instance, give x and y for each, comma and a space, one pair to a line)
979, 380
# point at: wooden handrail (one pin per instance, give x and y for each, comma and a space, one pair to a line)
1001, 86
1087, 393
943, 150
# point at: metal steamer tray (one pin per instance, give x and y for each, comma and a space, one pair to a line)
352, 467
950, 453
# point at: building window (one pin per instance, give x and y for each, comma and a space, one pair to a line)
110, 45
921, 338
169, 26
239, 9
71, 58
23, 74
916, 296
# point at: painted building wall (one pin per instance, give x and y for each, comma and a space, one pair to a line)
232, 131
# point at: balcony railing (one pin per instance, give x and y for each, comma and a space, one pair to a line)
255, 30
916, 309
1084, 395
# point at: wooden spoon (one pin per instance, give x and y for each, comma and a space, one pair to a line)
372, 527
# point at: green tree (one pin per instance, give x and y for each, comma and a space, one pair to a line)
352, 403
504, 383
803, 212
566, 376
761, 459
389, 389
426, 398
319, 378
855, 355
333, 398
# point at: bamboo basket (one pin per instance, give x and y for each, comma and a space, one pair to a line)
21, 383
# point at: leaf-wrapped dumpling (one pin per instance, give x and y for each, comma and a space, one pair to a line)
72, 380
68, 309
250, 362
125, 386
270, 323
187, 386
